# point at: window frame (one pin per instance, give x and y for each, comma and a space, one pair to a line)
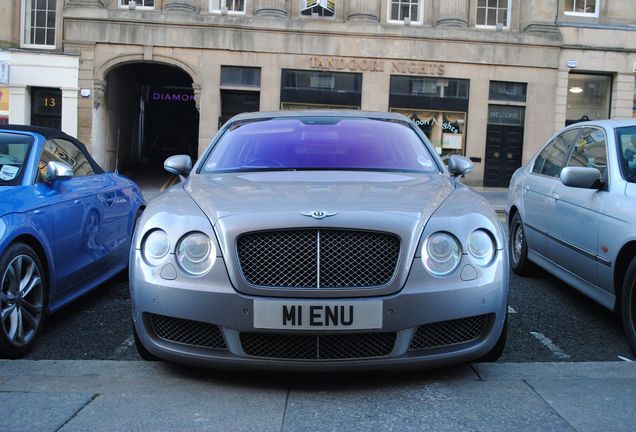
123, 4
588, 130
552, 143
420, 13
24, 33
229, 12
583, 14
486, 26
332, 17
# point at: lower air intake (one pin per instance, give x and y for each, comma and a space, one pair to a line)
187, 332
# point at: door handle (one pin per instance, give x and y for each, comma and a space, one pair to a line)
555, 196
527, 188
77, 201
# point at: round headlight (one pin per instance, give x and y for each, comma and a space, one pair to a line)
196, 253
156, 245
441, 253
481, 247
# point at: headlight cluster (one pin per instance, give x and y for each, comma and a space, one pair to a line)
442, 252
195, 252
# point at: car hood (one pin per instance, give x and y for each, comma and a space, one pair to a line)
277, 199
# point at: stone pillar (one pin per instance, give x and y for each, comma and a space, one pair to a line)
271, 8
538, 16
85, 3
364, 10
19, 105
179, 6
69, 110
453, 13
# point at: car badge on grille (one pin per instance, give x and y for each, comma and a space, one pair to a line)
318, 214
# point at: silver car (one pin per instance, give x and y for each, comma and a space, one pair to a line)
318, 240
572, 211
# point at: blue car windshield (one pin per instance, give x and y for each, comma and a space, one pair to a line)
14, 149
626, 139
320, 143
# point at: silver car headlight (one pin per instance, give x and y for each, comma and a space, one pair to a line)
155, 246
482, 247
196, 253
441, 253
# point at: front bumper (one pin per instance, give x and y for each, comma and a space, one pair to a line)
425, 303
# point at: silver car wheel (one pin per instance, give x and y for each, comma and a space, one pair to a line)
517, 242
21, 300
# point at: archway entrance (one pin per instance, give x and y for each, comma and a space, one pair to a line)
150, 114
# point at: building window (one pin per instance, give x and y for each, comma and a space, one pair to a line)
38, 29
232, 6
320, 8
588, 97
438, 106
491, 13
507, 91
406, 10
234, 76
301, 89
581, 7
142, 4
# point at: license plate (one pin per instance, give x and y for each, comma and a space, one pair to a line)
319, 315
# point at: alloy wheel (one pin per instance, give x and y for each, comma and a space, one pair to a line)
517, 242
21, 300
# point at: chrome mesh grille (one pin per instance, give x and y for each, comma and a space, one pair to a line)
451, 332
318, 258
187, 332
314, 347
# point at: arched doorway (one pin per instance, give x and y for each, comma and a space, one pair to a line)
150, 114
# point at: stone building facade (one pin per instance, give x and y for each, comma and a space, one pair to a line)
490, 79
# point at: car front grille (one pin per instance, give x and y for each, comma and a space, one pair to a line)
451, 332
187, 332
318, 347
318, 258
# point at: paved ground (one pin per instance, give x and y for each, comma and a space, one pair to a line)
108, 395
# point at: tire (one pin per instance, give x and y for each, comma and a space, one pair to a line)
23, 300
494, 354
518, 247
141, 349
628, 305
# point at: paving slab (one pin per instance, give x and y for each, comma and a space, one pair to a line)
430, 406
42, 412
192, 408
591, 405
555, 370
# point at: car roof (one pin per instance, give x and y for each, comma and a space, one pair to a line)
610, 123
46, 132
319, 113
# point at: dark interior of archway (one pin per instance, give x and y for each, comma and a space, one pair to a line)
152, 114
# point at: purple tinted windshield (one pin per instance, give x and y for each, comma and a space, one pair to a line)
320, 143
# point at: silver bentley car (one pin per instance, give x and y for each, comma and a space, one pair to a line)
572, 211
314, 240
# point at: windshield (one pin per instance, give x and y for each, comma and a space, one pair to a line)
313, 143
13, 154
626, 138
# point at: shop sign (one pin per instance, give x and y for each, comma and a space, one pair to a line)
172, 94
445, 129
4, 99
4, 72
364, 65
505, 115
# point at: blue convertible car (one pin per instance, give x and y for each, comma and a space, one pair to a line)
65, 227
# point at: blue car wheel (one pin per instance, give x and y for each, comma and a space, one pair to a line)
23, 297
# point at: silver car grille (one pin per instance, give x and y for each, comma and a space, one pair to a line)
187, 332
315, 258
318, 347
445, 333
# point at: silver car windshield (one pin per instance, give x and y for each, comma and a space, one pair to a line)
320, 143
14, 149
626, 139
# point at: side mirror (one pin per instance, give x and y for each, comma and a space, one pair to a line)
57, 171
581, 177
180, 165
459, 165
